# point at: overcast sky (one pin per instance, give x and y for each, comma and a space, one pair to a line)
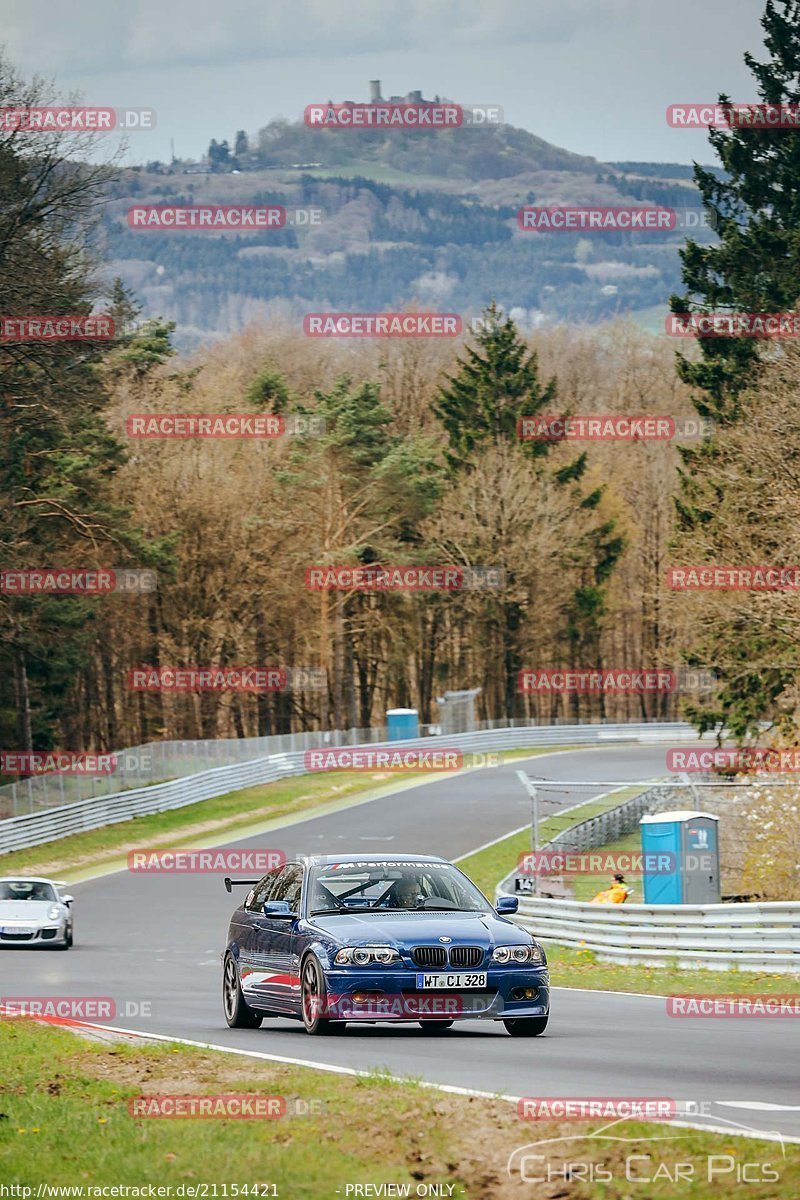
593, 76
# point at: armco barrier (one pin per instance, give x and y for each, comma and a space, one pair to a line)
31, 829
158, 762
746, 937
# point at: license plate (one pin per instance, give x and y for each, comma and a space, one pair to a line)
17, 929
439, 981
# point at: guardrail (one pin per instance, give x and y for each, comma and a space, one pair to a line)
747, 937
157, 762
32, 829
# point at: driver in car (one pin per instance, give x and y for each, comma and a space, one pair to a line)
406, 893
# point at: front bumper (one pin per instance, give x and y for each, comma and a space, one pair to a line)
391, 994
16, 933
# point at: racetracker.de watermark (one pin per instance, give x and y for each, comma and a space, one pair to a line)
638, 218
734, 1006
589, 1108
625, 681
374, 578
75, 1010
61, 327
567, 862
254, 426
717, 578
227, 679
226, 1105
733, 324
60, 1008
60, 762
71, 581
75, 119
730, 115
384, 114
207, 218
202, 862
409, 1006
408, 115
382, 324
744, 760
612, 427
367, 758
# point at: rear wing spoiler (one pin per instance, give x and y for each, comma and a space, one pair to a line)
231, 883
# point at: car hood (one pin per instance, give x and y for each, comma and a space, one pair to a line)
403, 929
31, 911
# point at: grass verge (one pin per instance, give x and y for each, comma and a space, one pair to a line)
65, 1121
576, 967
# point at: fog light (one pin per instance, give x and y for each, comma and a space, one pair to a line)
527, 993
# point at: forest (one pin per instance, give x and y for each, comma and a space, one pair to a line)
392, 453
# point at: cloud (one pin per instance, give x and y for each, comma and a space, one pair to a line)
87, 36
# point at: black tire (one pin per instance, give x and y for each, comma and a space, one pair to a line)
69, 939
312, 999
238, 1012
526, 1026
432, 1028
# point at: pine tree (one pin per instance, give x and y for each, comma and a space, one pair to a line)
496, 385
754, 204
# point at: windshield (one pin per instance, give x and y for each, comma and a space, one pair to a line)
25, 889
378, 887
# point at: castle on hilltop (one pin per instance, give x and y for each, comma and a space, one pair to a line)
375, 96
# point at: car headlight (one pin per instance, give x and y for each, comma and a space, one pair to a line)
53, 912
518, 954
362, 956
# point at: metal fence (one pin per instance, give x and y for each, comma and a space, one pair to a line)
155, 762
32, 828
616, 822
750, 936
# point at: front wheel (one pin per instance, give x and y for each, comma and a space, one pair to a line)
526, 1026
434, 1027
238, 1012
314, 1001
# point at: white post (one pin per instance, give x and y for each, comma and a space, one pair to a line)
531, 789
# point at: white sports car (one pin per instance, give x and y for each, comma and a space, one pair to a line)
34, 912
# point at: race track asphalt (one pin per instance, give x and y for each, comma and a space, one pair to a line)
152, 942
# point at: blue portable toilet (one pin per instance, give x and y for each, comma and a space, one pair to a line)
692, 843
402, 723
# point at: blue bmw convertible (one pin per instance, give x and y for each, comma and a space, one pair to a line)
335, 938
